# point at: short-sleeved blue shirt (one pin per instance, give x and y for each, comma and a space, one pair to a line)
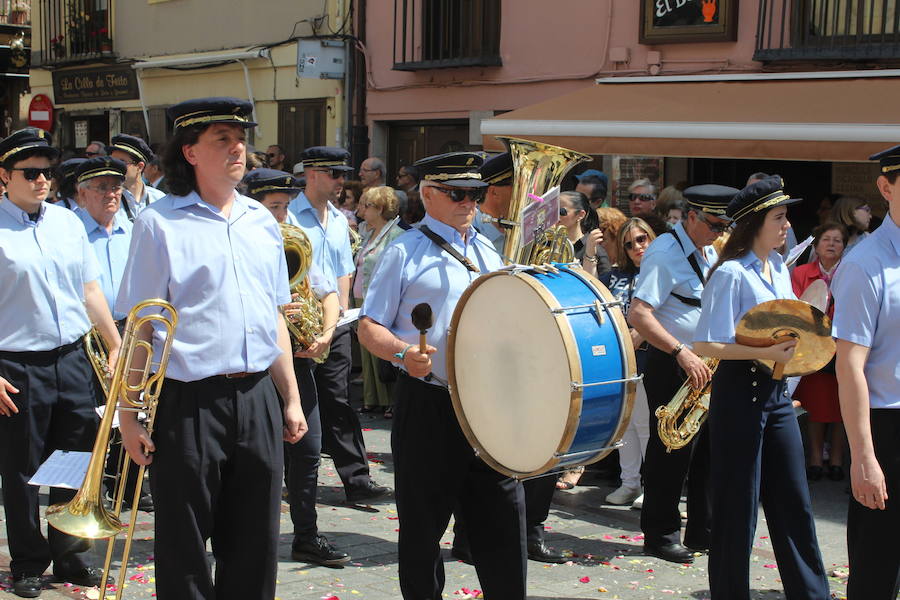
45, 264
226, 277
866, 289
414, 269
736, 287
331, 244
111, 249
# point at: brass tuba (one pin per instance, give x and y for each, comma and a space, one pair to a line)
306, 324
129, 389
537, 168
692, 404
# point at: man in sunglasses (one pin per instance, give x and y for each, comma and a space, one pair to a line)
641, 198
664, 311
47, 391
276, 156
95, 149
325, 169
436, 470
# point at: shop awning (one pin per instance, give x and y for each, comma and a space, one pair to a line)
802, 116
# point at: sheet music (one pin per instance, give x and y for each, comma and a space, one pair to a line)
350, 316
64, 469
797, 250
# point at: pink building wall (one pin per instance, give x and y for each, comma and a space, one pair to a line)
548, 48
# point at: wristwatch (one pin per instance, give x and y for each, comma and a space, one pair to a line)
677, 349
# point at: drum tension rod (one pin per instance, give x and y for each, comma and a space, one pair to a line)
586, 453
595, 304
577, 386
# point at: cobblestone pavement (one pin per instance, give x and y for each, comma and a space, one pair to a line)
605, 542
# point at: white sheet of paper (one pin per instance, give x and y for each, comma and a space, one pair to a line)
63, 469
100, 410
350, 315
797, 250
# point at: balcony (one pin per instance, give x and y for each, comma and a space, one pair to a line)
440, 34
73, 32
15, 15
848, 30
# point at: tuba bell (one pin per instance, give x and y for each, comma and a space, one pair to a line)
537, 169
305, 324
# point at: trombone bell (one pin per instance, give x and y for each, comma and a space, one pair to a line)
85, 518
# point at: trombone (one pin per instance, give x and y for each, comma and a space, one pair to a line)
85, 515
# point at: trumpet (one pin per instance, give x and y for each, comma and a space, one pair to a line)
133, 389
306, 324
693, 404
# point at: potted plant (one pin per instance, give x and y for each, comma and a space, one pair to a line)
19, 13
104, 39
58, 46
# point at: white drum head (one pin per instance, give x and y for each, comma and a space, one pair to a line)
511, 371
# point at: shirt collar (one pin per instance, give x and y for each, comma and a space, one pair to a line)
303, 203
240, 206
892, 231
20, 215
447, 232
751, 259
91, 225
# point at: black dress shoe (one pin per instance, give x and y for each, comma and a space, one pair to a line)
86, 577
27, 586
145, 503
836, 473
675, 553
318, 551
814, 472
463, 554
541, 552
369, 491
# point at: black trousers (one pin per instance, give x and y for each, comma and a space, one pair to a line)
342, 435
216, 474
56, 402
538, 497
665, 472
757, 456
436, 471
875, 567
302, 459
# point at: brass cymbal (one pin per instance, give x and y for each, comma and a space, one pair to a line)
776, 320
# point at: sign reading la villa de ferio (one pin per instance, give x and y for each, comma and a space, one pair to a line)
95, 85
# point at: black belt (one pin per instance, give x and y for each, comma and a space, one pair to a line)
242, 377
42, 355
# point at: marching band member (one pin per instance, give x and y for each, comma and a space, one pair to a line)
866, 323
274, 190
755, 443
497, 172
436, 470
66, 192
664, 311
325, 169
47, 394
216, 450
136, 154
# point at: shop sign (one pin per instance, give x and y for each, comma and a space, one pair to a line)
674, 21
95, 85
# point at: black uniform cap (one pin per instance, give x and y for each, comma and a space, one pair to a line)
100, 166
27, 142
710, 198
761, 195
889, 159
205, 111
263, 181
66, 169
497, 169
133, 145
454, 169
328, 157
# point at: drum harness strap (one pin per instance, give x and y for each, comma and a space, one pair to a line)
693, 262
445, 245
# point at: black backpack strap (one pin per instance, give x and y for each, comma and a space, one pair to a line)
692, 260
445, 245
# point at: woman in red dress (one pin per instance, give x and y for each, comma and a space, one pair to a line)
818, 393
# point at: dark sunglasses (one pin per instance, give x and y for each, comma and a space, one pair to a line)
271, 155
562, 211
458, 195
333, 173
642, 197
714, 227
92, 154
32, 173
638, 241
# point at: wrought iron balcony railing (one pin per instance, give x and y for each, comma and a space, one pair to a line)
73, 31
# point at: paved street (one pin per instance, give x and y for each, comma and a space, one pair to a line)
605, 543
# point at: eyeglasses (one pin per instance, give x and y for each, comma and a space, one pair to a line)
370, 205
637, 241
368, 170
714, 227
105, 189
868, 209
333, 173
91, 154
271, 155
32, 173
642, 197
458, 195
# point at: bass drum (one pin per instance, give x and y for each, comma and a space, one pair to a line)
542, 369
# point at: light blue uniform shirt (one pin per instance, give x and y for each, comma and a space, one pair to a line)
226, 277
45, 265
866, 289
413, 269
665, 270
111, 249
151, 195
736, 287
331, 244
320, 286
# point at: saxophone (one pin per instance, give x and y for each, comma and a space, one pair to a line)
306, 323
693, 404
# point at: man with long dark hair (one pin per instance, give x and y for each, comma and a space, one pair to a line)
218, 257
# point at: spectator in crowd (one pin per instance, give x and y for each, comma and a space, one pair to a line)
641, 197
671, 205
583, 227
408, 179
95, 149
594, 184
372, 172
611, 219
276, 156
154, 174
348, 203
856, 215
415, 210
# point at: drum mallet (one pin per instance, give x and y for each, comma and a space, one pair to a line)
422, 319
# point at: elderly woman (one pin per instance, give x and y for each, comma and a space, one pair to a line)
818, 392
378, 207
633, 239
854, 214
